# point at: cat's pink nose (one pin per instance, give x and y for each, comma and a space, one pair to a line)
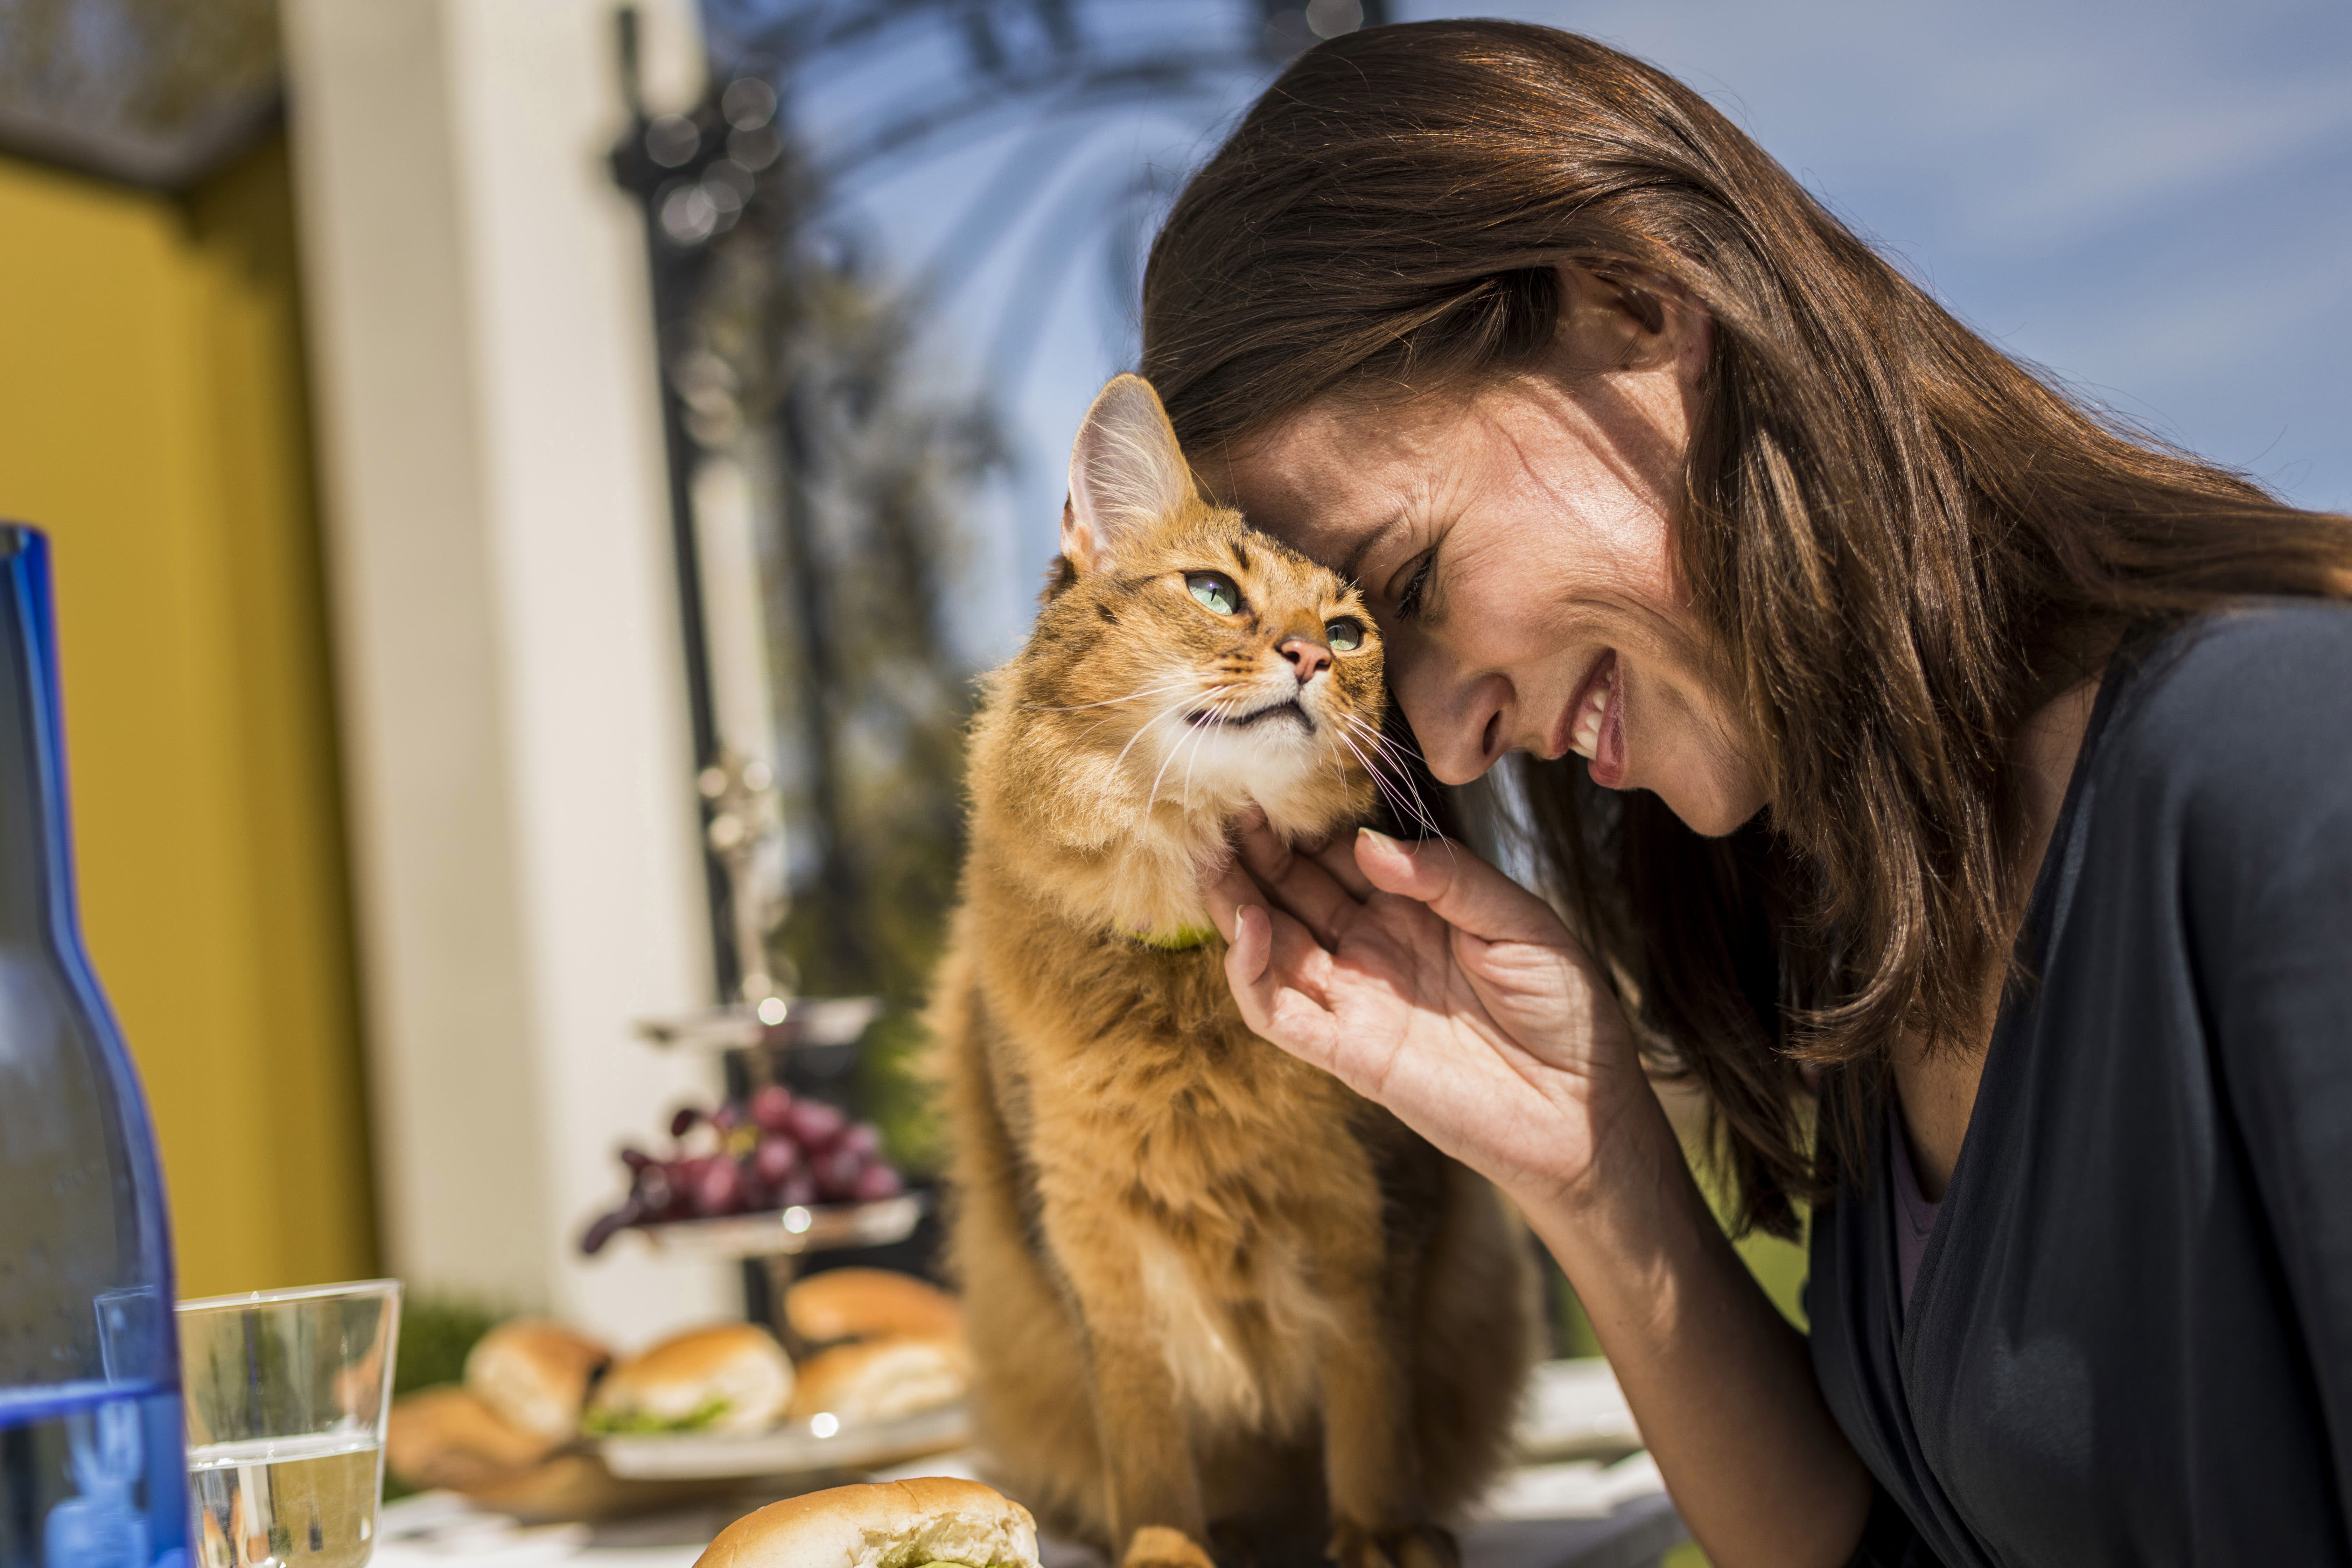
1306, 657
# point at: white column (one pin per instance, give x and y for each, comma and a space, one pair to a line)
511, 688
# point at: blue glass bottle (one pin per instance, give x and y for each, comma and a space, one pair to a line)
90, 1469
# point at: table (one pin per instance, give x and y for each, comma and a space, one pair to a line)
1586, 1508
1633, 1534
438, 1530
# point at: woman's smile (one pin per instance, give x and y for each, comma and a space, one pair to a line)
1593, 727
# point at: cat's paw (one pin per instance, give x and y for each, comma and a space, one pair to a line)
1403, 1546
1157, 1546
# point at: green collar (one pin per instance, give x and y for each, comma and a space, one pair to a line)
1183, 939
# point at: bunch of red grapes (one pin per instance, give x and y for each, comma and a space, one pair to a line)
777, 1151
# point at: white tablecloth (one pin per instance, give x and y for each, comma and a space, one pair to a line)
1619, 1508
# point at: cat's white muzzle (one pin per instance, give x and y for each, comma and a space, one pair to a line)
1245, 745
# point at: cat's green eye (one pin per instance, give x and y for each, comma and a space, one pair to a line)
1345, 634
1215, 590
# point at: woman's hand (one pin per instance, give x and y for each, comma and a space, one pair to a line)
1426, 980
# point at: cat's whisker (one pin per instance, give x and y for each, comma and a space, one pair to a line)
1390, 748
1415, 806
1385, 747
1215, 710
1388, 790
1363, 730
1108, 719
1193, 753
1088, 733
1112, 701
1401, 791
1340, 725
1144, 729
1184, 684
1118, 763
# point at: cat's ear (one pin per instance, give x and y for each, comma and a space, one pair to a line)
1127, 474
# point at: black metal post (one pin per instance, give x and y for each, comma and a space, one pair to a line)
653, 162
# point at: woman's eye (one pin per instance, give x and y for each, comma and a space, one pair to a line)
1345, 634
1215, 590
1409, 601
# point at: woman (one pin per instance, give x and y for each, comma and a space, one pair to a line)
1959, 793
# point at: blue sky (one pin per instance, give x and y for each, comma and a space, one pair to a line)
2153, 201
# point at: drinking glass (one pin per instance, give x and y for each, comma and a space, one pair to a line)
287, 1392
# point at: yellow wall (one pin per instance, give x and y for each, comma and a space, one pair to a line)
152, 420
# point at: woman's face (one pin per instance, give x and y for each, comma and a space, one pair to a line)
1514, 545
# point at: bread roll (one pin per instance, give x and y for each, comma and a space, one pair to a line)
861, 1303
578, 1485
448, 1437
880, 1380
536, 1374
732, 1378
896, 1524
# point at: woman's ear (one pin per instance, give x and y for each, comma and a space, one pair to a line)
1632, 320
1127, 475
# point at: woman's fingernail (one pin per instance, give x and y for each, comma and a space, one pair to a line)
1379, 840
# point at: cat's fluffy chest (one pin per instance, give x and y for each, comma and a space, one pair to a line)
1240, 1335
1235, 1174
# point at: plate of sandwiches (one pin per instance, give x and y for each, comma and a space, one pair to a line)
548, 1423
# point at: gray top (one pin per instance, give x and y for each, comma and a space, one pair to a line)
2130, 1340
1915, 1216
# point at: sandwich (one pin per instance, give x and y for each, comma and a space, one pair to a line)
862, 1303
448, 1437
537, 1375
879, 1380
733, 1379
933, 1522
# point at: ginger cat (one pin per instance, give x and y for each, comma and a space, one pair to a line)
1215, 1299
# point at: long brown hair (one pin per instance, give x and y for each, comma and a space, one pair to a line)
1904, 540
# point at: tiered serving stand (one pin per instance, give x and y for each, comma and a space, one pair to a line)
752, 1036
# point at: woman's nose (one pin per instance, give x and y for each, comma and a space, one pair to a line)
1306, 657
1462, 730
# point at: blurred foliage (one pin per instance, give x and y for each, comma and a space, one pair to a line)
806, 365
1780, 1267
804, 360
1571, 1330
807, 362
435, 1334
156, 92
